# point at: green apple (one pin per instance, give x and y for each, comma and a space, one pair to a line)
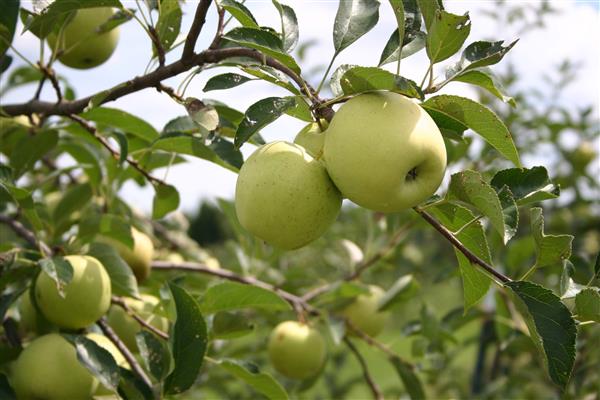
109, 346
48, 369
81, 45
312, 138
296, 350
284, 196
126, 327
31, 320
87, 296
362, 312
140, 257
583, 155
384, 152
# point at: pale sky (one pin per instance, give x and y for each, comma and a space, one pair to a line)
572, 33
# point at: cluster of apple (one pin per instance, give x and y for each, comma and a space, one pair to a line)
48, 367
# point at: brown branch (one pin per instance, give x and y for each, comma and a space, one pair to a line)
294, 300
194, 32
220, 26
137, 369
377, 395
472, 257
160, 51
26, 234
134, 164
170, 91
121, 303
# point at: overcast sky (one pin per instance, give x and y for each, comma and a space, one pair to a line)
571, 34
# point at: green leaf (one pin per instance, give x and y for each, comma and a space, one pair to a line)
74, 199
551, 327
225, 81
477, 55
122, 280
429, 10
123, 145
510, 213
409, 378
449, 127
168, 24
229, 296
259, 381
155, 354
6, 392
240, 12
227, 152
447, 33
118, 18
365, 79
486, 80
183, 124
480, 119
260, 114
87, 158
475, 283
133, 387
398, 8
188, 342
228, 325
264, 41
112, 226
587, 304
336, 77
402, 290
97, 360
289, 26
528, 185
8, 23
353, 19
412, 43
550, 249
21, 76
272, 75
469, 187
31, 149
123, 120
193, 146
23, 198
59, 270
166, 200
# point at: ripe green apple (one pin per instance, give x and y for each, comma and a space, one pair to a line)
296, 350
312, 138
284, 196
82, 46
48, 369
140, 257
126, 327
31, 320
384, 152
109, 346
362, 312
87, 296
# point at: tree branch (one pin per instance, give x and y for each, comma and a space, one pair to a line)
121, 303
26, 234
137, 369
160, 51
377, 395
472, 257
220, 26
194, 32
294, 300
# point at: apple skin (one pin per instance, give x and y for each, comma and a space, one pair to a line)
84, 48
312, 139
296, 350
109, 346
140, 257
372, 145
362, 312
126, 327
87, 296
31, 320
48, 369
284, 196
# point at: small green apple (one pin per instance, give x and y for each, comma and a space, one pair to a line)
81, 44
109, 346
284, 196
32, 321
362, 312
296, 350
126, 327
48, 369
140, 257
87, 296
312, 138
384, 152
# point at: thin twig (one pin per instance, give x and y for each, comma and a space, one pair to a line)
160, 51
195, 29
121, 303
135, 366
472, 257
170, 91
220, 26
26, 234
377, 395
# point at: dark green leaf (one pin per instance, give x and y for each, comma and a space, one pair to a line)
6, 392
109, 225
301, 110
123, 145
402, 290
478, 118
486, 80
450, 127
353, 19
59, 270
97, 360
227, 152
398, 8
183, 124
510, 213
168, 24
133, 387
32, 148
87, 158
228, 325
259, 381
528, 185
412, 43
429, 10
447, 33
225, 81
240, 12
229, 296
7, 299
74, 199
8, 23
289, 26
272, 75
188, 342
23, 198
5, 62
551, 327
587, 304
122, 280
260, 114
550, 249
477, 55
123, 120
166, 200
409, 378
364, 79
155, 354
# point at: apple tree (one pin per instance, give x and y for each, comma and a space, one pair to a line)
448, 246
